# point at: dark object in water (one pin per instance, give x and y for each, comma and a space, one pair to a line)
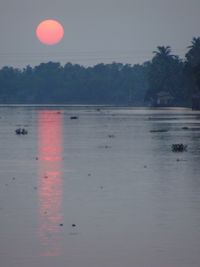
185, 128
61, 224
73, 225
159, 131
106, 146
20, 131
179, 148
73, 118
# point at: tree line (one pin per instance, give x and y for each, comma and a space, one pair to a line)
112, 84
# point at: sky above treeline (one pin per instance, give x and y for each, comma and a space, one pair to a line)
96, 31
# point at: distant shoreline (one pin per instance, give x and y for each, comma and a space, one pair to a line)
94, 106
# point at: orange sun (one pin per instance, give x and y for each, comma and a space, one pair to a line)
50, 32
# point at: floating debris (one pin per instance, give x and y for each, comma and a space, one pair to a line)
190, 129
104, 146
73, 225
89, 174
73, 118
111, 136
178, 160
21, 131
61, 224
18, 131
179, 147
159, 131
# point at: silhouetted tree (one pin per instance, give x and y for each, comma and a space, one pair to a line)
114, 83
193, 60
165, 74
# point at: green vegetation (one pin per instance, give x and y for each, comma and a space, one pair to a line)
165, 74
115, 84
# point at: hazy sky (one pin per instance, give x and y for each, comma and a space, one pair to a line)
96, 30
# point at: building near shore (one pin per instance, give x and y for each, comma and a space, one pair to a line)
164, 99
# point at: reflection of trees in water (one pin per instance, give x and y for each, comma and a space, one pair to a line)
50, 180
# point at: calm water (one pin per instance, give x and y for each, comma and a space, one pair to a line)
112, 174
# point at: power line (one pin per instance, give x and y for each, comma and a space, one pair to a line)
130, 56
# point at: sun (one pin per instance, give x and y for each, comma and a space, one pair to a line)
50, 32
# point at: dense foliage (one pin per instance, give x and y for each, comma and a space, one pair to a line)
165, 74
115, 83
53, 83
192, 64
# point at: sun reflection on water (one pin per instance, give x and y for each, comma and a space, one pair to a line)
50, 181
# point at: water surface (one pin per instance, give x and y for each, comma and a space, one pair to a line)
112, 175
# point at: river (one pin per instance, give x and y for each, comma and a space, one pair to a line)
99, 186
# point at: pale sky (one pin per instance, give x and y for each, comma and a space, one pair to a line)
96, 31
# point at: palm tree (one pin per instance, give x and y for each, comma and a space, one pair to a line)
163, 51
195, 43
192, 64
193, 55
164, 73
